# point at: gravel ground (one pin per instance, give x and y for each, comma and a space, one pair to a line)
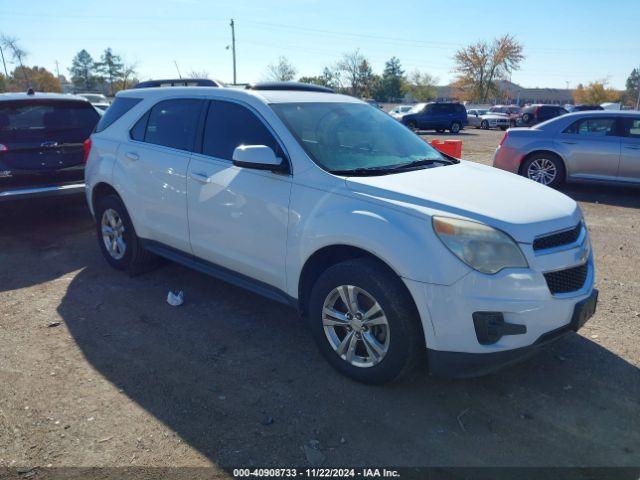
231, 378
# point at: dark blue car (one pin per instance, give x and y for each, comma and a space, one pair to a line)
438, 116
42, 139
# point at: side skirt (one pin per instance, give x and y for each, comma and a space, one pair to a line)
221, 273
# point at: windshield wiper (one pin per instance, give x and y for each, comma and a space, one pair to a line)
387, 169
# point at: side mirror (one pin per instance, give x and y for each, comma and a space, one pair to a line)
258, 157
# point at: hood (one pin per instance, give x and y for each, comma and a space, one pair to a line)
518, 206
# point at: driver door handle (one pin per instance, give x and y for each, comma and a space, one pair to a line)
568, 142
200, 177
132, 156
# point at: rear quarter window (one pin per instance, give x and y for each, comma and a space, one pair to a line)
118, 108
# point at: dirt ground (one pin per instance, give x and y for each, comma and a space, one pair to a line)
231, 378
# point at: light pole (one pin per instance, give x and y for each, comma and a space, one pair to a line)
233, 49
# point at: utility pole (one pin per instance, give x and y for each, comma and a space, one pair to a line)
233, 48
6, 74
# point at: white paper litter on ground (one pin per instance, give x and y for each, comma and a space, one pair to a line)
175, 299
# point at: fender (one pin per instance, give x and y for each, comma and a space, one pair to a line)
399, 239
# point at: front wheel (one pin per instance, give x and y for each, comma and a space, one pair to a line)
455, 128
413, 126
484, 125
364, 321
544, 168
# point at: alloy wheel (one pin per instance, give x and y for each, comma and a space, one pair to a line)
112, 228
355, 326
542, 170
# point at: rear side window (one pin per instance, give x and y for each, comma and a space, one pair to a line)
62, 120
118, 108
633, 128
173, 123
460, 108
230, 125
593, 127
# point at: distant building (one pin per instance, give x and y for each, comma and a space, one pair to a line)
515, 94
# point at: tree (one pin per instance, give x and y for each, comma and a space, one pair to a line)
328, 78
17, 53
83, 71
282, 71
351, 69
421, 87
595, 93
632, 95
366, 79
479, 66
110, 68
392, 80
38, 78
198, 74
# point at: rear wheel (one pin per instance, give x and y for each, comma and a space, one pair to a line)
364, 321
117, 238
412, 125
440, 130
545, 168
455, 128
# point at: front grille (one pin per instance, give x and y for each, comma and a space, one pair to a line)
557, 239
566, 281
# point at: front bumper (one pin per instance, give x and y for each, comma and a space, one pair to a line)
464, 365
43, 191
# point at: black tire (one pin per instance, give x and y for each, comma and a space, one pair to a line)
135, 259
526, 118
484, 125
503, 128
406, 340
455, 128
440, 130
412, 125
541, 157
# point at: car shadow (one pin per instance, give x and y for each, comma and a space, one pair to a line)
239, 379
46, 229
615, 195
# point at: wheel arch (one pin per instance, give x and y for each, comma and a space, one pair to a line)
101, 190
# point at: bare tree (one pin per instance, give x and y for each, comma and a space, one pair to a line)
198, 74
350, 68
479, 65
282, 71
17, 52
129, 71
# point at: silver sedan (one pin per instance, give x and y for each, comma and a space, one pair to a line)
585, 146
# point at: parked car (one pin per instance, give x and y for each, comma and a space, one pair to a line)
480, 118
399, 111
591, 145
41, 144
384, 245
98, 100
439, 116
534, 114
511, 111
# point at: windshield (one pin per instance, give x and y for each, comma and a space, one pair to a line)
418, 107
349, 136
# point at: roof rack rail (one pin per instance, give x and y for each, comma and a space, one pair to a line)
179, 82
296, 86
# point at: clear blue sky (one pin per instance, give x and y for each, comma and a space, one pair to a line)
565, 41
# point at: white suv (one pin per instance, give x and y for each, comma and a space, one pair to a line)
318, 200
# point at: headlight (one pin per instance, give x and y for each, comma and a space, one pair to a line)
480, 246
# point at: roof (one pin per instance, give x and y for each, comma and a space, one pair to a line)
266, 96
173, 82
41, 96
602, 113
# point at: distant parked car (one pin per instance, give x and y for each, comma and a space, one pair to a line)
482, 118
592, 145
41, 144
98, 100
511, 111
438, 116
534, 114
399, 111
583, 108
